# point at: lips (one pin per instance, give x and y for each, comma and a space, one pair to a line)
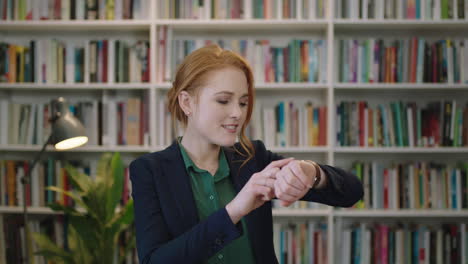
230, 128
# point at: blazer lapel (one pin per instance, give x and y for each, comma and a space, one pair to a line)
180, 187
240, 176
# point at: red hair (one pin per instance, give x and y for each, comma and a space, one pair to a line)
190, 77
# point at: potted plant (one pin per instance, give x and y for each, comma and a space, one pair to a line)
94, 228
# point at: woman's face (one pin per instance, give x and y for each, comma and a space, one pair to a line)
221, 108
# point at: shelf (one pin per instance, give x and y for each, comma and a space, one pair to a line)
31, 210
270, 86
233, 24
290, 86
73, 86
399, 24
286, 212
165, 85
282, 149
299, 149
318, 150
33, 148
258, 86
385, 150
244, 24
399, 86
414, 213
78, 25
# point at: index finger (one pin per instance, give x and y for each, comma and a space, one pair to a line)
279, 163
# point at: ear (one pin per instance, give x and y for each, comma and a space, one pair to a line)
186, 102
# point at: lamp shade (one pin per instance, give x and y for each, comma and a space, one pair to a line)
67, 130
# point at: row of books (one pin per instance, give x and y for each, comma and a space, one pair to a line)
195, 9
399, 124
50, 172
62, 61
413, 185
413, 60
401, 9
301, 242
12, 239
73, 9
113, 121
44, 174
283, 124
367, 243
272, 60
417, 185
286, 124
167, 130
289, 124
289, 9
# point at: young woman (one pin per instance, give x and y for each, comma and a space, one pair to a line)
206, 198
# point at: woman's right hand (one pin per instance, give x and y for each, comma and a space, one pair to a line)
258, 190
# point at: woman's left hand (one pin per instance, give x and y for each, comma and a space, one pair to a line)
293, 181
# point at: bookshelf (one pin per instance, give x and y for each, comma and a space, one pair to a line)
330, 28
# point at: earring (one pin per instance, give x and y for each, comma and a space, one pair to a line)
188, 113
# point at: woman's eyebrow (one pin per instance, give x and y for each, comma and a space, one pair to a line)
230, 93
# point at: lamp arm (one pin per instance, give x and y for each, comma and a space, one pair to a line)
27, 177
24, 181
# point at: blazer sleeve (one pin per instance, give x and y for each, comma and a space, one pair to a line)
155, 243
343, 189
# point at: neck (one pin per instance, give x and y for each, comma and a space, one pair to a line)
201, 152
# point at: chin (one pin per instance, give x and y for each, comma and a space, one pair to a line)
227, 141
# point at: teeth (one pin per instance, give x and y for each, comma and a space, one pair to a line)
230, 127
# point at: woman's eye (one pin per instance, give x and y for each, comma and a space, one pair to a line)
243, 104
223, 102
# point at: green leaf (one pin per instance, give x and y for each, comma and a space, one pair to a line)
103, 167
95, 200
124, 219
93, 235
79, 181
83, 252
116, 187
88, 229
61, 208
50, 250
74, 196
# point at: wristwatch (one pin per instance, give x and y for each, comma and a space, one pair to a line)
318, 173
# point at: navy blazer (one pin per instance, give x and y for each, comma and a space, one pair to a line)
168, 229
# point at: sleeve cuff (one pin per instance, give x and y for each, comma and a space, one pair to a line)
226, 230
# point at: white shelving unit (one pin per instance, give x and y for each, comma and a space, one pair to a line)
405, 213
331, 91
415, 150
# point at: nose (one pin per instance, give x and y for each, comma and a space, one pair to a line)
236, 111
